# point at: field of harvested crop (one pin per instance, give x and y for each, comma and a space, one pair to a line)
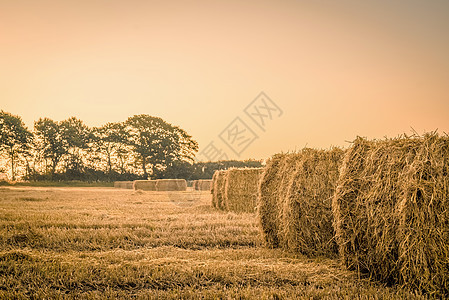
101, 242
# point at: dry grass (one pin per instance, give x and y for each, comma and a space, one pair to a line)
240, 189
106, 243
391, 211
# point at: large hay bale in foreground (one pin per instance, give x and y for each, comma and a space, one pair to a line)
240, 189
424, 219
364, 205
306, 224
171, 185
391, 211
145, 185
217, 189
204, 184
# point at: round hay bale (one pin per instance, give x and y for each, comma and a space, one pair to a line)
171, 185
219, 178
118, 184
307, 209
240, 189
391, 211
128, 185
144, 185
204, 184
123, 184
423, 214
273, 186
364, 205
212, 189
195, 185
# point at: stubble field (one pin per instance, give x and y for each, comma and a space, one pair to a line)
105, 243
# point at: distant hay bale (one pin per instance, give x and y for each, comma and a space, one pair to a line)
128, 185
212, 189
123, 184
118, 184
145, 185
171, 185
306, 223
240, 189
217, 189
391, 211
204, 185
195, 185
295, 197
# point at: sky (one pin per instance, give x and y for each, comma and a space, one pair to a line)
334, 70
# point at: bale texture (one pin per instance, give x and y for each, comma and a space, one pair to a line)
423, 213
171, 185
145, 185
218, 184
240, 189
364, 205
273, 186
391, 211
307, 218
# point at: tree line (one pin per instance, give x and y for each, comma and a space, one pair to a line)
141, 147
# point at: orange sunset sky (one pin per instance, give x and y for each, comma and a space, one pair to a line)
337, 69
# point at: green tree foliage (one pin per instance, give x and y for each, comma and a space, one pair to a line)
76, 137
159, 144
114, 151
111, 140
15, 138
205, 170
51, 142
75, 133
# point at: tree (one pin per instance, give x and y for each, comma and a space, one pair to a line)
110, 139
76, 137
205, 170
158, 144
14, 138
51, 142
178, 169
